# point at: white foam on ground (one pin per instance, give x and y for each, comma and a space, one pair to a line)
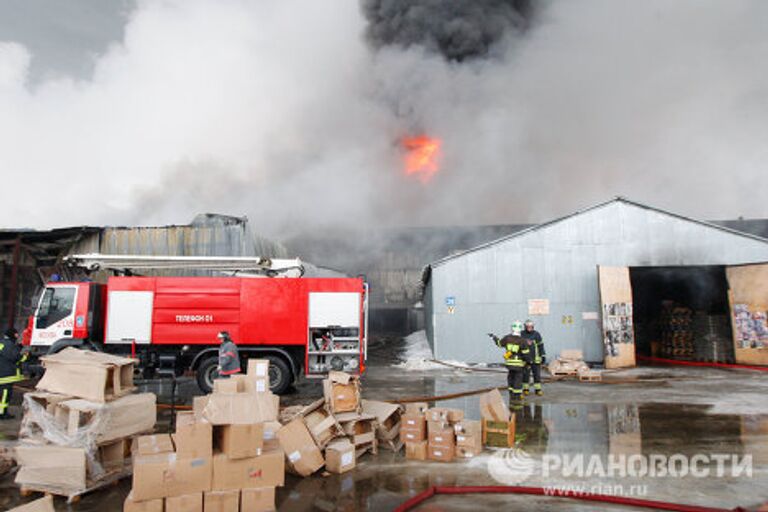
418, 354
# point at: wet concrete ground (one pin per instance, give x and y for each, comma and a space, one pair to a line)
688, 411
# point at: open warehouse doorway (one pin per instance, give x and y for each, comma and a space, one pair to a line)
682, 313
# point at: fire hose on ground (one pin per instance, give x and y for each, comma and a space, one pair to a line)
420, 498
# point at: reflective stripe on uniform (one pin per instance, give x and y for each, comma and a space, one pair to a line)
537, 386
11, 379
4, 401
230, 372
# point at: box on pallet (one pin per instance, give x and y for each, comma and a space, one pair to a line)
444, 436
469, 438
86, 374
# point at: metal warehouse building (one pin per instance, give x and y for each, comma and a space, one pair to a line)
616, 280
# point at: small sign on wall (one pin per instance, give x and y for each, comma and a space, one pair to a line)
538, 306
590, 315
450, 304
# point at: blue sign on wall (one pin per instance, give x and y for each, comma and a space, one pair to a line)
450, 301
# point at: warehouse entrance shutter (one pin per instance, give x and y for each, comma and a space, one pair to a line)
748, 296
616, 313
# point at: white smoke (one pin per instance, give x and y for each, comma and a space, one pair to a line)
280, 110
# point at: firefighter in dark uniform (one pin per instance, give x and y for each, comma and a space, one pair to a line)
11, 360
229, 359
516, 355
538, 357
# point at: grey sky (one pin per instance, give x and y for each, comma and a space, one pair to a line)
64, 36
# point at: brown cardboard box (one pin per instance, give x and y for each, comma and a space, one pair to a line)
258, 368
86, 374
359, 428
342, 392
240, 408
321, 424
469, 436
222, 501
416, 451
444, 437
155, 505
151, 445
445, 415
270, 435
340, 456
266, 470
441, 453
105, 422
192, 502
228, 386
165, 474
388, 422
44, 504
193, 438
111, 456
492, 406
299, 447
416, 408
258, 500
465, 452
240, 441
51, 466
413, 428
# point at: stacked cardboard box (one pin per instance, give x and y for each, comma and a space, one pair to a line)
223, 456
388, 419
77, 430
413, 430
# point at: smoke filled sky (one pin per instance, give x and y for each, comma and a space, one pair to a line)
294, 113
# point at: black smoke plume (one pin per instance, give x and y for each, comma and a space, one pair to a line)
458, 29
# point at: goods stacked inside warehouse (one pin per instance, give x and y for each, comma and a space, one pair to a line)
79, 425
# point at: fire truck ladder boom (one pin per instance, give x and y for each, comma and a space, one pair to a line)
248, 265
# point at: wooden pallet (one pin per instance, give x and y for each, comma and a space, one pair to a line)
590, 376
362, 449
74, 496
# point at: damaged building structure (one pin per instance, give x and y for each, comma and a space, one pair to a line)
618, 281
29, 258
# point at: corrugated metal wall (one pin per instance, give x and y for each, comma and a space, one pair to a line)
207, 235
491, 285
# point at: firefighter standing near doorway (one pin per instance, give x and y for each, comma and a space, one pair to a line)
516, 355
538, 357
11, 359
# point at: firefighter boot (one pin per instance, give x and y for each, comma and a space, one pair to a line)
537, 388
526, 391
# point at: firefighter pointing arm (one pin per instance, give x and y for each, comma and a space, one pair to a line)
229, 359
516, 355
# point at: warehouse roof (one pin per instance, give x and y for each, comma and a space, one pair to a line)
619, 199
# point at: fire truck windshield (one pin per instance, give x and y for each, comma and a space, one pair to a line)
56, 304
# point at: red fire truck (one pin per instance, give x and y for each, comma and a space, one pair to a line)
301, 324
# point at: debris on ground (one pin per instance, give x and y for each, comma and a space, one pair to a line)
77, 429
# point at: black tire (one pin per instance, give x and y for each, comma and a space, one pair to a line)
280, 375
207, 372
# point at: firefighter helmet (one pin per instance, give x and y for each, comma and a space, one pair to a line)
517, 327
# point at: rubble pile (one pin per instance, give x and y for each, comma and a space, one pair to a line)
78, 428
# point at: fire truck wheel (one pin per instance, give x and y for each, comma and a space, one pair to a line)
280, 376
207, 372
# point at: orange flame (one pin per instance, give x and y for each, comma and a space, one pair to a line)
421, 157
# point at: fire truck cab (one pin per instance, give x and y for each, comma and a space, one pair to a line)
170, 324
